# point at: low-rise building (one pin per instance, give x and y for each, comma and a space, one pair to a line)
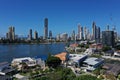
76, 59
92, 63
109, 53
90, 51
5, 68
98, 46
30, 62
113, 69
74, 45
20, 77
117, 53
17, 62
40, 62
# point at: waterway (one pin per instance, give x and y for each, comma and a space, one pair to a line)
10, 51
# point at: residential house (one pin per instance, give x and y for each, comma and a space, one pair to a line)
113, 69
117, 53
5, 68
17, 62
92, 63
76, 59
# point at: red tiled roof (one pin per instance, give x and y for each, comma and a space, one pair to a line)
62, 56
74, 45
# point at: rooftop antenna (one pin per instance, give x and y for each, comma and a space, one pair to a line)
113, 25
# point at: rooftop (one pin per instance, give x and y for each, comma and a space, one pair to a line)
3, 63
76, 57
93, 61
74, 45
23, 59
62, 56
112, 68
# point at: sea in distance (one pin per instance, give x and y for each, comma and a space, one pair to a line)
10, 51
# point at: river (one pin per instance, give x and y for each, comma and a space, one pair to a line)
10, 51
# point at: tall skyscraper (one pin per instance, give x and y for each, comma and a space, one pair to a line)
11, 33
73, 35
88, 34
50, 34
64, 37
58, 37
80, 32
30, 34
94, 32
46, 28
85, 33
108, 38
107, 28
35, 35
7, 35
98, 35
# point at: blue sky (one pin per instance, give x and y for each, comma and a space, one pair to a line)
63, 15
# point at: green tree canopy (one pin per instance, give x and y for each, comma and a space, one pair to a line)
53, 61
81, 45
106, 48
117, 47
87, 77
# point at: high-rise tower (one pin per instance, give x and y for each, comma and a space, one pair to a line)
11, 33
50, 34
80, 32
98, 34
30, 34
35, 35
73, 35
94, 31
108, 38
46, 28
85, 33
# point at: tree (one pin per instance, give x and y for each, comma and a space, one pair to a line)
24, 67
81, 45
117, 47
53, 61
67, 74
97, 71
87, 77
87, 46
106, 48
110, 77
119, 76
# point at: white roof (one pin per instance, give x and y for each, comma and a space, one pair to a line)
90, 68
93, 61
21, 59
19, 76
76, 57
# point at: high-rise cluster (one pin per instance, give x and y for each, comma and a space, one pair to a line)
95, 33
11, 33
83, 33
106, 37
30, 37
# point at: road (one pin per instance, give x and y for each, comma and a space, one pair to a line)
109, 57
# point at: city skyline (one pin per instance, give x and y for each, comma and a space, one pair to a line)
63, 16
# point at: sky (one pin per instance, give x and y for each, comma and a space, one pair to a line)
63, 15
